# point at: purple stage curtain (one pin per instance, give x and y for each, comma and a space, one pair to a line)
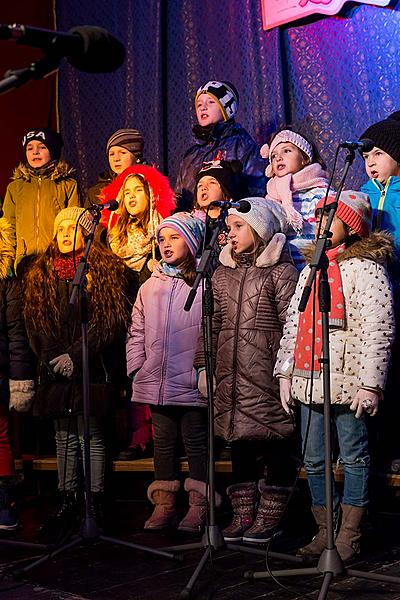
330, 77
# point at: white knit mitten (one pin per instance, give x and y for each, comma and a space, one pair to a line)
22, 393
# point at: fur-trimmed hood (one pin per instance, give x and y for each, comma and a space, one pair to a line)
7, 251
378, 247
275, 251
55, 172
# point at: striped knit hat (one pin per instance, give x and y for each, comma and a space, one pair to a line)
189, 227
353, 209
130, 139
224, 93
74, 213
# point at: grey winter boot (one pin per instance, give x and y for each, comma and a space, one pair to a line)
348, 539
318, 544
243, 497
272, 505
9, 502
163, 495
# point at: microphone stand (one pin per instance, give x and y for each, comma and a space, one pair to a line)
330, 564
212, 539
89, 531
15, 78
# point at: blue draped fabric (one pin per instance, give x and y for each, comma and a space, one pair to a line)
331, 77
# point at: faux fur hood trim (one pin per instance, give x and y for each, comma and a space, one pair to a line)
60, 171
378, 247
7, 251
269, 256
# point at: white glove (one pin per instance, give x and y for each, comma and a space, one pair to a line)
63, 365
202, 383
22, 394
285, 386
365, 401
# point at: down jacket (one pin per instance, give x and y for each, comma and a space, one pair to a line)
250, 306
162, 342
33, 201
360, 352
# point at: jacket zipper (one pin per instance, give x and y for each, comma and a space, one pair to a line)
165, 344
234, 357
37, 214
381, 202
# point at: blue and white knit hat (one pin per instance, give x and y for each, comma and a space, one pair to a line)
189, 227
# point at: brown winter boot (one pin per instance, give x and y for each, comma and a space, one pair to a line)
272, 505
195, 518
318, 544
348, 539
243, 497
163, 495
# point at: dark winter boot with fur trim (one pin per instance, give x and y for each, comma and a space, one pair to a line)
243, 497
163, 495
272, 505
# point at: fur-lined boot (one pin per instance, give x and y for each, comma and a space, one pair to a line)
163, 495
195, 518
273, 501
243, 497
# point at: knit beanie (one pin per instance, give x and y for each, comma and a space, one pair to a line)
265, 216
51, 139
189, 227
353, 209
289, 137
74, 213
226, 172
130, 139
386, 135
224, 93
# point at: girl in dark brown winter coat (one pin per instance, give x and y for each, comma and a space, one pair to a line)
252, 290
58, 346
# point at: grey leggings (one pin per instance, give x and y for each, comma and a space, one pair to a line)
69, 444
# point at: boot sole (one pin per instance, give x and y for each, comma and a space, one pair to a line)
265, 540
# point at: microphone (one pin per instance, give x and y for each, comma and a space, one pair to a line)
242, 205
364, 145
110, 205
89, 49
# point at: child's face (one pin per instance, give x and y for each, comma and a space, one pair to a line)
37, 154
380, 165
135, 197
173, 247
240, 234
338, 229
286, 158
208, 110
120, 159
208, 190
65, 237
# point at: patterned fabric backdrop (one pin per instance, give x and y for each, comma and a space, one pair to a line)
331, 77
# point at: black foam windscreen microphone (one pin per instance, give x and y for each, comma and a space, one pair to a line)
88, 48
364, 145
243, 206
110, 205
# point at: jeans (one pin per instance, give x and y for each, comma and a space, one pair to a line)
168, 423
69, 443
352, 437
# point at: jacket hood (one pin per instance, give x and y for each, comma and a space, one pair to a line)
61, 170
7, 252
274, 252
378, 247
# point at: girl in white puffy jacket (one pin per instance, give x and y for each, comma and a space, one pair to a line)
361, 334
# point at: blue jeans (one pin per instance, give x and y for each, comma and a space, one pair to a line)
352, 437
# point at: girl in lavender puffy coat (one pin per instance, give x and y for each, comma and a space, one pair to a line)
160, 353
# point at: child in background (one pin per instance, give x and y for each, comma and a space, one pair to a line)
219, 137
361, 334
145, 198
252, 290
297, 181
58, 346
124, 149
160, 350
16, 375
42, 186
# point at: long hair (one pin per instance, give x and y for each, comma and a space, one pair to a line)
107, 279
121, 228
188, 269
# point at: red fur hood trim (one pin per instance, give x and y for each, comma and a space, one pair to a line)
164, 198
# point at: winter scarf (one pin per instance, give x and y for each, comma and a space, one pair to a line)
65, 266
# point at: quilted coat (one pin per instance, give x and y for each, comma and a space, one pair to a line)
161, 343
250, 304
360, 352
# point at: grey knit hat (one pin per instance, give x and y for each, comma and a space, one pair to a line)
130, 139
266, 217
